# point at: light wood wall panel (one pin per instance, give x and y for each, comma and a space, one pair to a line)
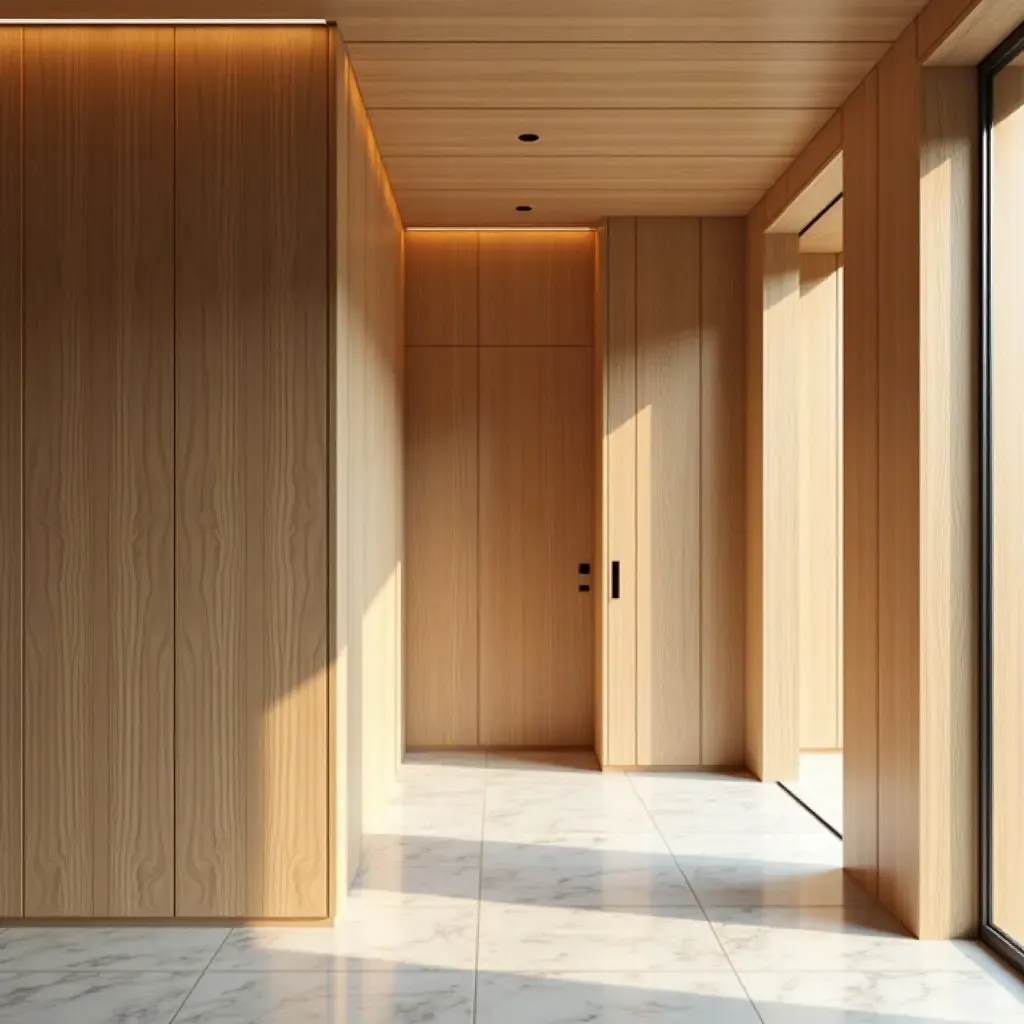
860, 485
1007, 438
99, 320
441, 288
668, 342
441, 502
11, 682
536, 502
251, 473
723, 516
536, 289
620, 485
819, 426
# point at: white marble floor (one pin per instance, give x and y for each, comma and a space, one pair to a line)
506, 891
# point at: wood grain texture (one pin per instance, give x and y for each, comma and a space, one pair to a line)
11, 476
949, 482
597, 133
780, 613
536, 288
860, 485
899, 477
962, 33
99, 628
601, 572
1007, 437
536, 511
820, 430
441, 288
559, 207
251, 472
795, 209
441, 503
825, 235
668, 340
658, 74
620, 483
723, 466
754, 498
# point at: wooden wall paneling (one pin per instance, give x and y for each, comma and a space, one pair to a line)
441, 288
949, 482
898, 446
98, 321
599, 573
818, 518
1007, 439
723, 467
536, 508
11, 469
754, 502
780, 613
620, 482
826, 233
840, 526
860, 485
668, 470
653, 74
441, 419
252, 319
536, 288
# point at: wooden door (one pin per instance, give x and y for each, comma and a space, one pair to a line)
536, 527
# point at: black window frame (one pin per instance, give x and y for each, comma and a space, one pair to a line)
1006, 946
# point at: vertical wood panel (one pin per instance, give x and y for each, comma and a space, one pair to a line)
668, 491
899, 446
11, 680
780, 624
620, 373
529, 287
860, 484
536, 506
441, 541
723, 519
818, 521
441, 287
251, 472
99, 540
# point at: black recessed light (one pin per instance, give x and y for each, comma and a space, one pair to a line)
523, 209
529, 137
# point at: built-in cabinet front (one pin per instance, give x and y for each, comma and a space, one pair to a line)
164, 341
500, 440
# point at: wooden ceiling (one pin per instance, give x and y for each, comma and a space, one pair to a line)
642, 106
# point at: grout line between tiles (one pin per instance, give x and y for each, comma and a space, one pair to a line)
188, 995
718, 940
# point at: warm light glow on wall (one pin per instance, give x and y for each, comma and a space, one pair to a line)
71, 22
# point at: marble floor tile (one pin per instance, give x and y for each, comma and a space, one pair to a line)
84, 997
403, 997
387, 848
553, 939
367, 938
429, 821
857, 938
573, 877
774, 814
614, 997
109, 949
890, 997
397, 884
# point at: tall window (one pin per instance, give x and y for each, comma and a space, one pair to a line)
1003, 499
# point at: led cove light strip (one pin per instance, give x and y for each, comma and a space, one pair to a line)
163, 21
510, 228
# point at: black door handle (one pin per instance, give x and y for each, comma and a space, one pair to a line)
615, 581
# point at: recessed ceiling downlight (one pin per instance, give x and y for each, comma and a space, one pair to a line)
529, 137
523, 209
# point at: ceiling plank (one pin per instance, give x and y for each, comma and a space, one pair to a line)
597, 132
554, 75
626, 20
421, 208
626, 173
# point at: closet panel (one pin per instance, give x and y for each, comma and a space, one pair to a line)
251, 472
441, 500
441, 288
668, 491
99, 359
536, 527
11, 683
